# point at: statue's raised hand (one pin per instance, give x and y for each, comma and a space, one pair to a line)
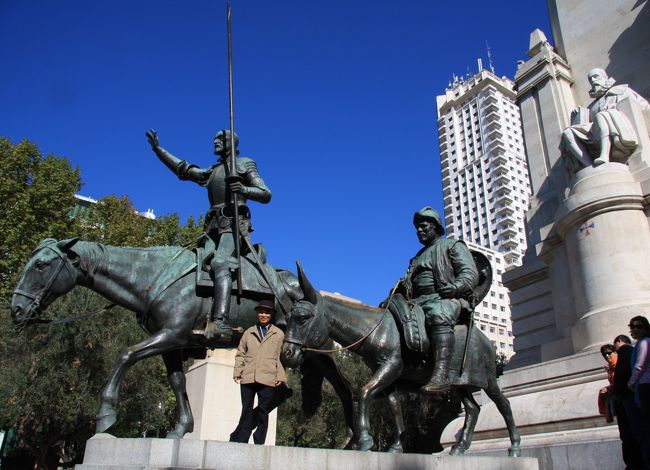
152, 136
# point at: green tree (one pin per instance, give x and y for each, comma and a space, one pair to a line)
37, 193
52, 376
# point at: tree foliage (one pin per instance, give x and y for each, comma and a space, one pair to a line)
52, 376
37, 193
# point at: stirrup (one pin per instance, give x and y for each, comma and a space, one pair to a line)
436, 385
215, 330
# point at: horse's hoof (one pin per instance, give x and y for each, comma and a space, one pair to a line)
179, 432
514, 452
457, 449
105, 421
396, 449
366, 444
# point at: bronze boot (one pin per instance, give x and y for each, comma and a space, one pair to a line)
442, 353
217, 327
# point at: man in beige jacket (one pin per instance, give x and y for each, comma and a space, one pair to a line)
259, 372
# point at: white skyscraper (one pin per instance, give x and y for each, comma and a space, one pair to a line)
485, 183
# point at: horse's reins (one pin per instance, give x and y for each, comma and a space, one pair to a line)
343, 348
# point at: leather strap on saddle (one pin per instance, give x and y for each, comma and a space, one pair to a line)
410, 317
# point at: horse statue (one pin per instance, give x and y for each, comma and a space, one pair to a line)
160, 285
374, 334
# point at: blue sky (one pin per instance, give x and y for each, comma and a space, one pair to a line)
335, 100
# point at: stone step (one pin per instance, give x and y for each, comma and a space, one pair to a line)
177, 454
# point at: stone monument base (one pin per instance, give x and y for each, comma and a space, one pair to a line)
172, 454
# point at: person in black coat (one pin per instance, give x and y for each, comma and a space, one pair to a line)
627, 412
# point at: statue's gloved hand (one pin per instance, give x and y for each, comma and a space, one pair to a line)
239, 188
448, 292
232, 263
152, 136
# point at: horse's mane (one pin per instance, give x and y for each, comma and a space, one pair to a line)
92, 255
353, 304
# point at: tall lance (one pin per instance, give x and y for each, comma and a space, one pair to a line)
232, 170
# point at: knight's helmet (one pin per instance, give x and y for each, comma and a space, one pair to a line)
429, 213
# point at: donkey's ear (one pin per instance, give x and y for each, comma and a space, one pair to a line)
65, 245
307, 289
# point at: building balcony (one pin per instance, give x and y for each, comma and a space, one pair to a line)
489, 107
506, 220
509, 242
504, 198
444, 162
494, 133
446, 172
503, 188
495, 146
503, 211
492, 124
442, 136
490, 89
491, 115
501, 178
489, 97
508, 231
499, 161
511, 257
446, 192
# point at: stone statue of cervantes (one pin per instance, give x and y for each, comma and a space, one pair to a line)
601, 132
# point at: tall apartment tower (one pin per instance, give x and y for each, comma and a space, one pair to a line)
484, 171
485, 184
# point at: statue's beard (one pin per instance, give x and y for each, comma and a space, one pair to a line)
597, 91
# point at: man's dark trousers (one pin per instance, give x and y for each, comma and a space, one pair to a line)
259, 417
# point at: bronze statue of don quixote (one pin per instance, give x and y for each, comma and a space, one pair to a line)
420, 339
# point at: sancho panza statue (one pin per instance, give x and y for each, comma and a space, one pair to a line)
219, 219
600, 133
438, 278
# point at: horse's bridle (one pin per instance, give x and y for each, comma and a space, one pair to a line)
315, 320
38, 298
320, 312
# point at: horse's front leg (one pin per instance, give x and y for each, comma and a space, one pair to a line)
385, 375
398, 417
331, 371
176, 378
157, 344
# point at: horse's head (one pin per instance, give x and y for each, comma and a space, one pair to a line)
306, 325
42, 280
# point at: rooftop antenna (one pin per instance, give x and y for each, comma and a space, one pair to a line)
489, 54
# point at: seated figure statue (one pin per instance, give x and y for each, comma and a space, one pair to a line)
601, 133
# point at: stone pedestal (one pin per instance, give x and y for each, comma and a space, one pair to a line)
603, 232
215, 398
166, 454
555, 408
